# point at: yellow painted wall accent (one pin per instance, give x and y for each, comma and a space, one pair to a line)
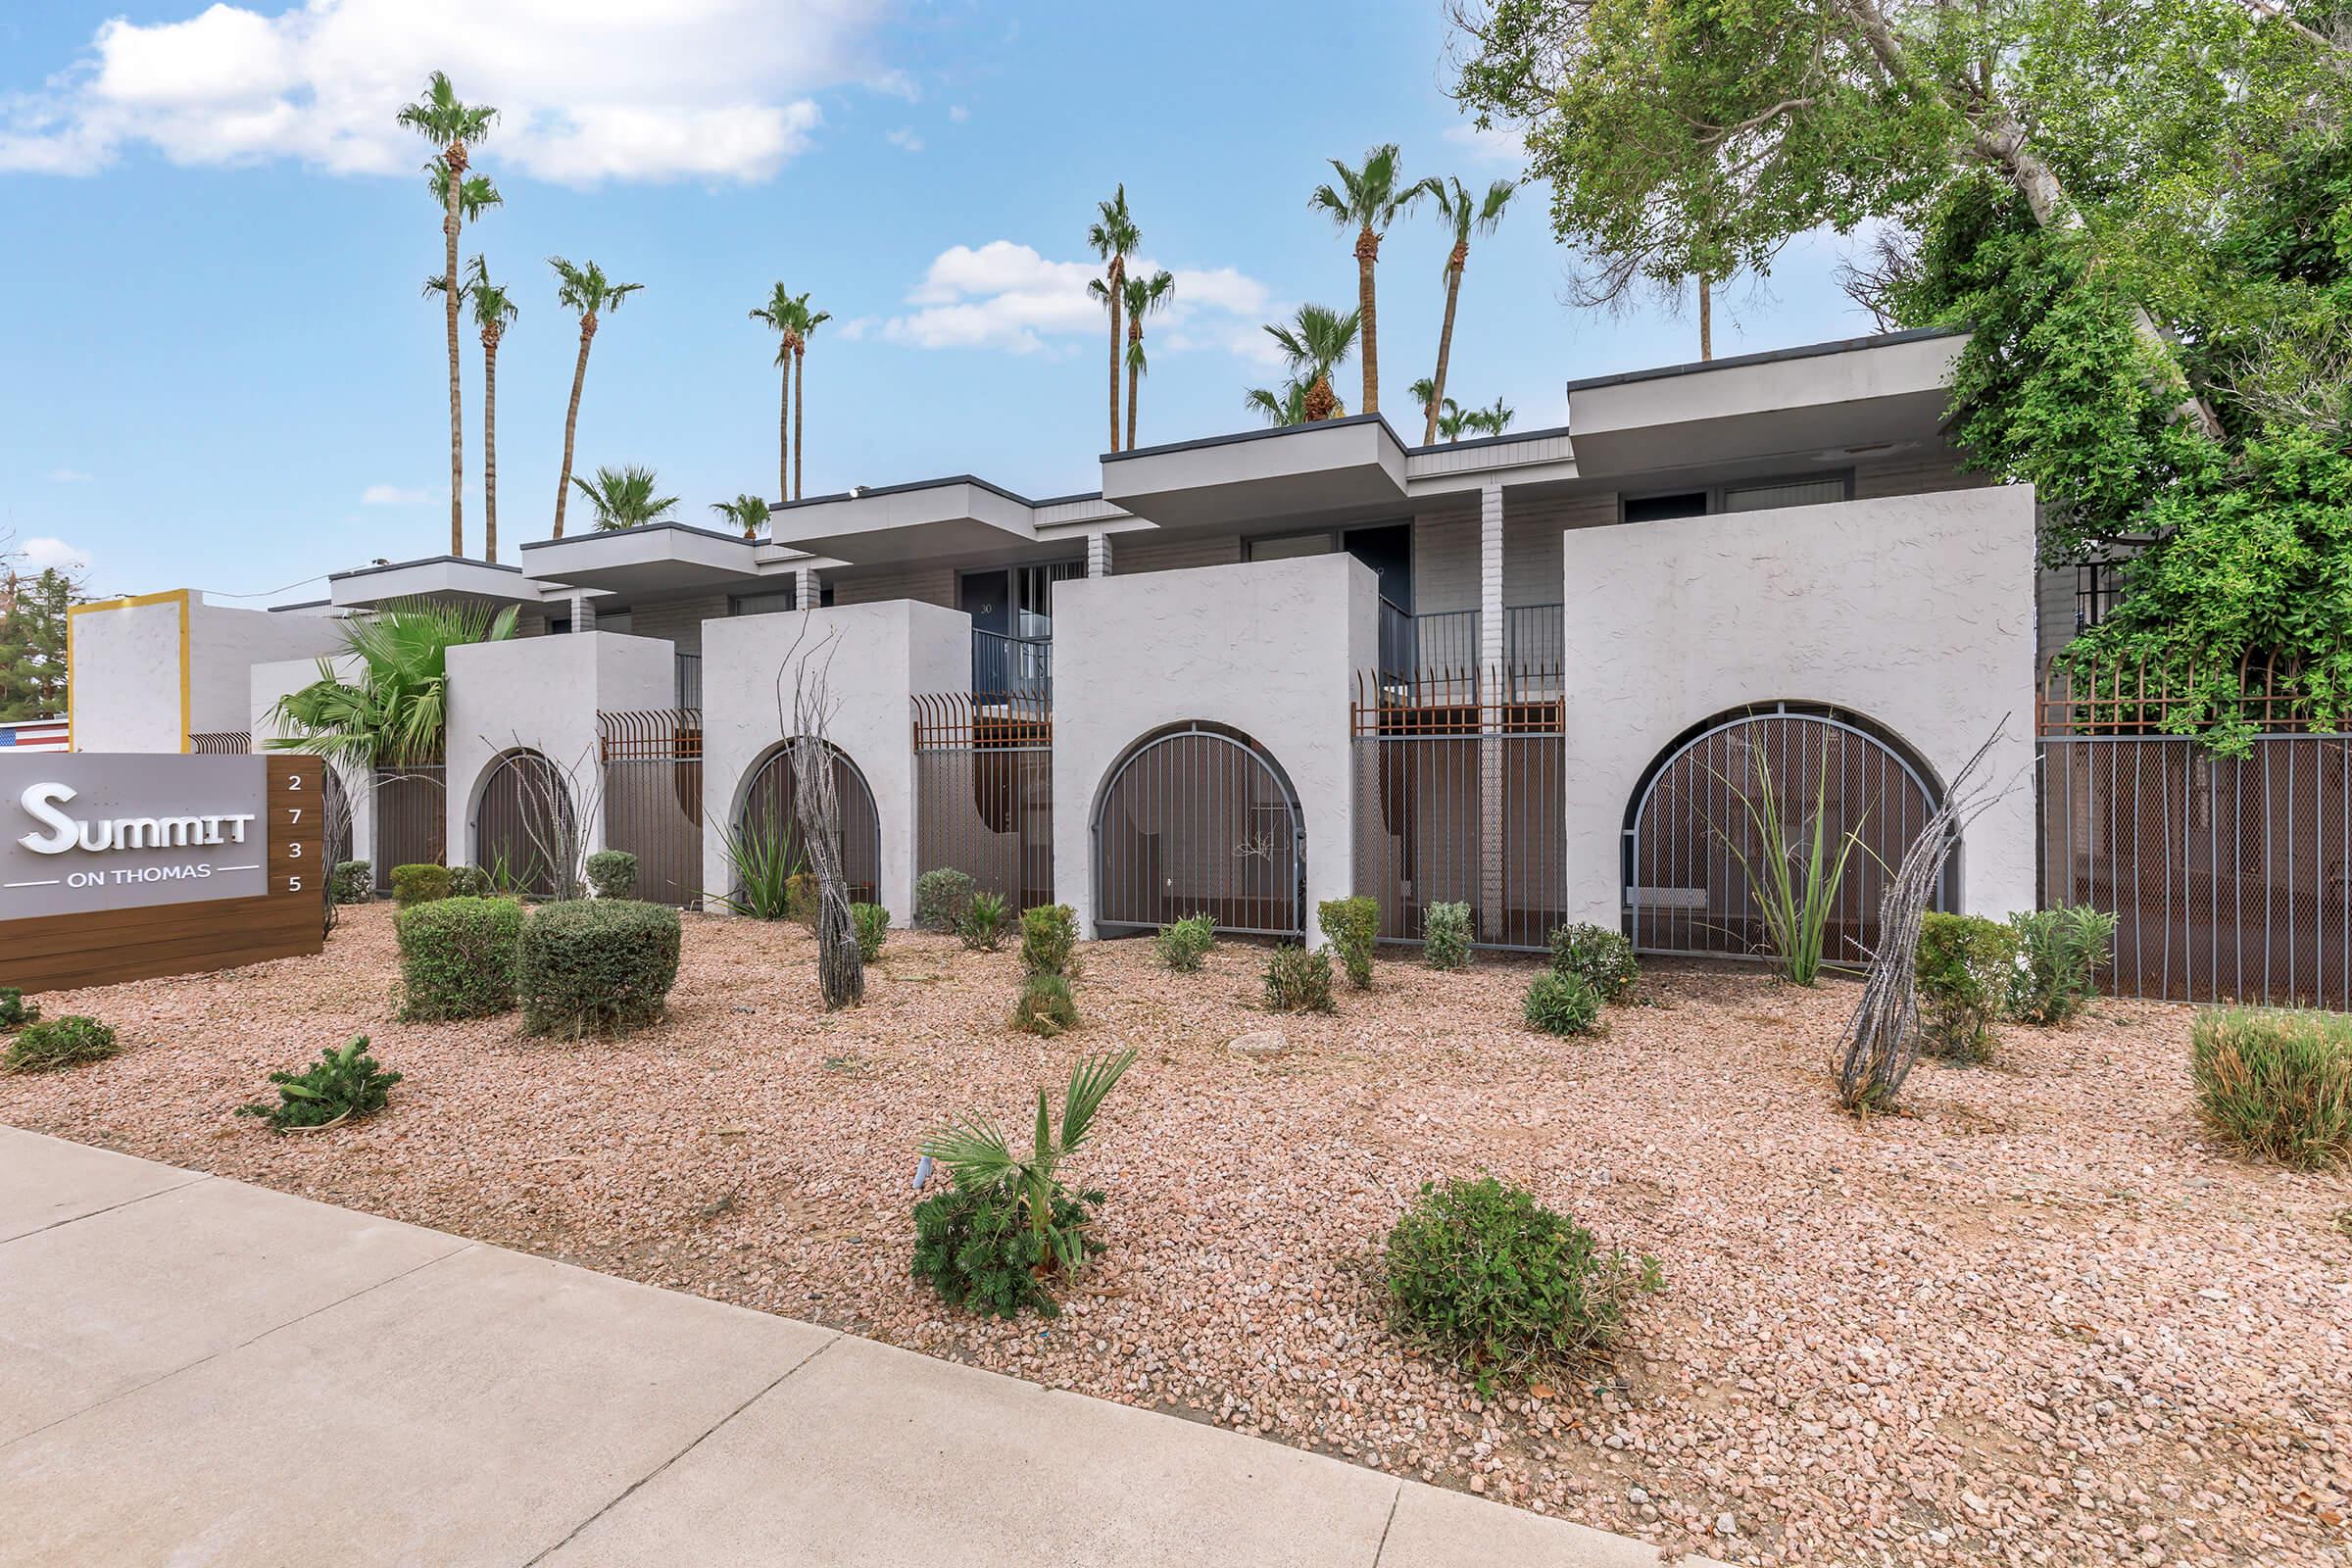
178, 596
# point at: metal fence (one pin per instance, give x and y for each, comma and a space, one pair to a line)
653, 762
984, 792
689, 681
1460, 800
221, 743
1198, 820
1446, 647
523, 825
771, 805
1012, 669
410, 813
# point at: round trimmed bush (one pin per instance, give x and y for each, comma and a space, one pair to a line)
354, 882
470, 882
1352, 925
457, 957
419, 884
941, 896
1963, 971
612, 873
595, 966
1600, 957
1049, 940
1445, 936
1562, 1005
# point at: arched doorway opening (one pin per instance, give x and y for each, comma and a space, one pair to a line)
1197, 818
770, 804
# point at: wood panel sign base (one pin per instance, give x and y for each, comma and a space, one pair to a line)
116, 866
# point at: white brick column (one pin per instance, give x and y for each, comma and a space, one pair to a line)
1097, 555
1489, 584
805, 593
1492, 688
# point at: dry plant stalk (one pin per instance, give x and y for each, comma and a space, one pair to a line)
561, 801
816, 801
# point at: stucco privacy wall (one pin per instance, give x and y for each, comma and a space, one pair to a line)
543, 692
146, 673
1268, 648
270, 683
872, 659
1916, 612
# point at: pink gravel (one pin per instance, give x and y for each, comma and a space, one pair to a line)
2036, 1320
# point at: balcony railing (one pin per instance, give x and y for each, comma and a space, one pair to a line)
1441, 649
690, 681
1017, 669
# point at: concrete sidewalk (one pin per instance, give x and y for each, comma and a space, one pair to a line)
193, 1370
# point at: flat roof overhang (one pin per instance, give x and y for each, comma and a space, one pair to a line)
445, 577
1830, 399
937, 522
658, 558
1352, 465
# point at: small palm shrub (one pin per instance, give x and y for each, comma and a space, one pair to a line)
1049, 940
419, 884
1562, 1005
1007, 1225
1963, 971
1600, 957
1298, 979
340, 1086
457, 957
473, 882
1183, 944
2276, 1083
1445, 936
2060, 952
67, 1041
761, 863
15, 1011
597, 965
872, 921
940, 897
612, 873
983, 924
354, 882
1484, 1275
1352, 925
1045, 1006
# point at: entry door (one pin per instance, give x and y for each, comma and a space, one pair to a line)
983, 595
1388, 551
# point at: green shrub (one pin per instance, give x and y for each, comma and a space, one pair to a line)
1298, 979
1049, 940
940, 897
15, 1011
1045, 1006
458, 957
799, 898
983, 924
596, 966
1184, 944
473, 882
340, 1086
1352, 925
2276, 1083
873, 929
1484, 1275
1600, 957
354, 882
1445, 936
612, 873
1963, 971
2060, 952
1562, 1005
65, 1041
762, 864
419, 884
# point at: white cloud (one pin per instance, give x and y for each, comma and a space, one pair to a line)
906, 138
393, 495
959, 114
42, 553
587, 89
1007, 295
68, 476
1498, 144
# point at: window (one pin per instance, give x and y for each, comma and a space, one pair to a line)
760, 604
1748, 495
1290, 546
1657, 509
2097, 584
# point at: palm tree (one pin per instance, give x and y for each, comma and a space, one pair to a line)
1313, 345
623, 497
449, 124
777, 312
1368, 200
397, 712
804, 322
1493, 421
1144, 295
587, 290
1464, 214
494, 311
1453, 419
747, 512
1286, 407
1113, 237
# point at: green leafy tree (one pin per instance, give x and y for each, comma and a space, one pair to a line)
1464, 215
624, 498
441, 117
397, 709
1113, 237
585, 290
1369, 198
1145, 295
32, 643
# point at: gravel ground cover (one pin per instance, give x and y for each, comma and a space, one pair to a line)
2036, 1320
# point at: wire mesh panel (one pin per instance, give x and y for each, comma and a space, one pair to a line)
1461, 799
524, 824
984, 792
770, 806
1698, 828
410, 813
653, 762
1198, 821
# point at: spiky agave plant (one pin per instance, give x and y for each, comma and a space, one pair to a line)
396, 710
978, 1159
1794, 875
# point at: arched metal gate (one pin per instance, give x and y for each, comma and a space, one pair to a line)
1198, 820
523, 828
770, 804
1687, 889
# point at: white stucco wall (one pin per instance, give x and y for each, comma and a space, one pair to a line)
543, 692
225, 643
267, 683
1268, 648
872, 657
1915, 612
132, 661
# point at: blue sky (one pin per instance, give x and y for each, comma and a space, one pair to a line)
226, 377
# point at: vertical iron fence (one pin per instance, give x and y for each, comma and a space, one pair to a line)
984, 792
1196, 819
771, 805
523, 825
1461, 797
1444, 648
221, 743
410, 814
653, 762
689, 681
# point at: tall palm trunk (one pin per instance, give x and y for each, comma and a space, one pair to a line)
1453, 289
455, 159
1367, 253
571, 421
800, 410
784, 431
1135, 339
1119, 279
1706, 317
490, 445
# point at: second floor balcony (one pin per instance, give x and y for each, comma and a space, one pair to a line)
1442, 650
1012, 669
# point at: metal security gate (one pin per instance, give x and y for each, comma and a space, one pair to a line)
410, 817
984, 792
769, 806
524, 826
653, 762
1685, 888
1198, 820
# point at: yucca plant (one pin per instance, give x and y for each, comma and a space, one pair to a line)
978, 1159
765, 861
397, 712
1794, 876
